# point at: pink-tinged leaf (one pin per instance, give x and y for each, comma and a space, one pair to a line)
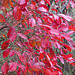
17, 13
18, 53
21, 66
63, 28
72, 44
2, 19
54, 31
5, 68
13, 66
66, 36
68, 6
19, 44
21, 2
11, 34
32, 22
13, 37
22, 35
72, 4
37, 66
57, 19
67, 17
5, 44
12, 53
47, 1
42, 9
6, 52
44, 6
39, 21
61, 59
57, 1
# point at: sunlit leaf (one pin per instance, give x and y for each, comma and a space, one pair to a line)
13, 66
22, 35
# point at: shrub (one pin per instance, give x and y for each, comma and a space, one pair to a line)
37, 38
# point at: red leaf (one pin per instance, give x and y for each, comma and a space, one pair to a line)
2, 19
55, 10
72, 64
41, 56
28, 31
6, 52
13, 66
5, 68
72, 28
11, 34
58, 38
47, 1
48, 59
5, 44
22, 36
69, 55
46, 27
17, 13
67, 46
47, 71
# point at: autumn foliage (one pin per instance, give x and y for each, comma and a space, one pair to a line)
36, 37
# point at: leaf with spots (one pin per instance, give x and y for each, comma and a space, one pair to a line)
5, 44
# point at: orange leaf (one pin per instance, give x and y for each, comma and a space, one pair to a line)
5, 3
2, 19
11, 3
16, 23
